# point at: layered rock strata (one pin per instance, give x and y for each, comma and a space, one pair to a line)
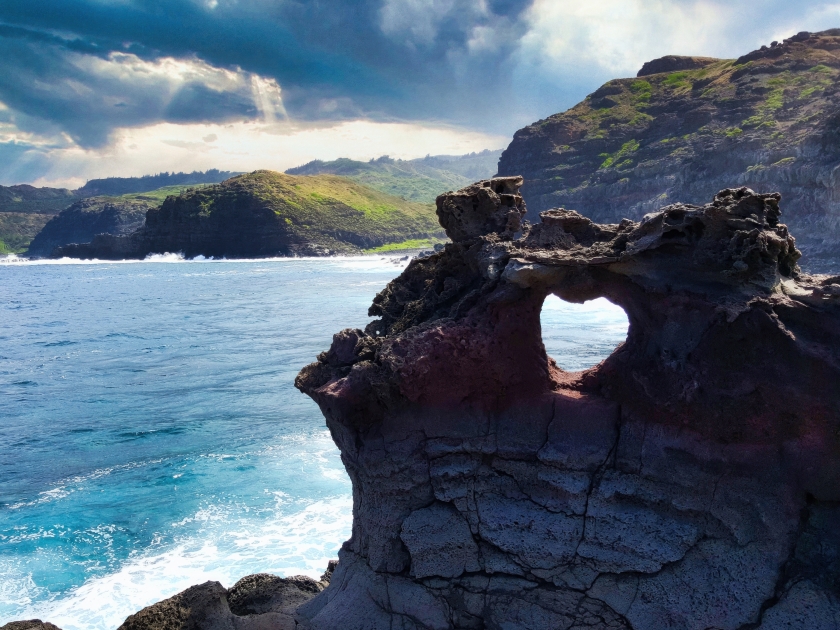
690, 481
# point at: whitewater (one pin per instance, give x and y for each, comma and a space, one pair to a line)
150, 434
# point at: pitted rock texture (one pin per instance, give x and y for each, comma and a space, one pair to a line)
256, 602
491, 205
30, 624
690, 481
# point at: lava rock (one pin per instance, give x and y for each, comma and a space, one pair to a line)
674, 63
688, 481
31, 624
256, 602
486, 207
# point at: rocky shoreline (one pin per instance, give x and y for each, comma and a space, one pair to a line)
690, 481
265, 214
256, 602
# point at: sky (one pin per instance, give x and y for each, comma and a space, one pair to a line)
98, 88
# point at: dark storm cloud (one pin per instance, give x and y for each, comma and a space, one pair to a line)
332, 58
470, 62
85, 91
196, 102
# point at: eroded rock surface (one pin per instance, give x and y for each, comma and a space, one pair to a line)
690, 481
256, 602
30, 624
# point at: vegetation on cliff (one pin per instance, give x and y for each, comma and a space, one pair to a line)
25, 199
117, 186
265, 213
86, 218
24, 210
420, 180
769, 120
18, 228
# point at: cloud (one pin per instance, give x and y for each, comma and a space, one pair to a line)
84, 73
384, 60
237, 146
89, 95
571, 48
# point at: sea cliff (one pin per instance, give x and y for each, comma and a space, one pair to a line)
85, 219
687, 127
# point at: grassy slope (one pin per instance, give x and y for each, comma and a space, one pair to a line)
407, 245
773, 103
717, 85
17, 229
323, 209
119, 186
310, 204
411, 180
24, 210
158, 196
30, 199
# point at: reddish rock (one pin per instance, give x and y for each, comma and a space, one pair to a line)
688, 481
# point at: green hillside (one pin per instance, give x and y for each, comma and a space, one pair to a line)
769, 120
24, 210
25, 199
266, 214
420, 180
327, 210
158, 196
17, 229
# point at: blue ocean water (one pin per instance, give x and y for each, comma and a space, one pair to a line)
150, 434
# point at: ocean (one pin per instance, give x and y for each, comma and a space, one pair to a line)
151, 437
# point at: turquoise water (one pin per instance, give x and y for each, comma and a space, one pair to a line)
150, 434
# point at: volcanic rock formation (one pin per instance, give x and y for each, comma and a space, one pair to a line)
690, 481
256, 602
